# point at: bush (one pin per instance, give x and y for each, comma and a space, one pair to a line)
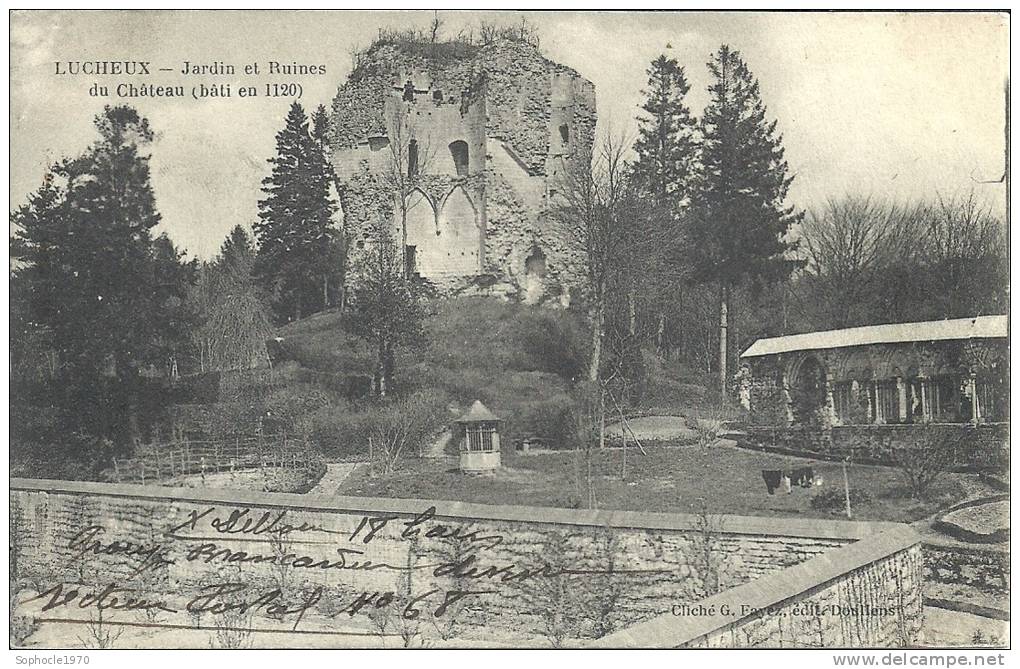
924, 456
555, 421
834, 501
552, 343
76, 457
343, 431
287, 410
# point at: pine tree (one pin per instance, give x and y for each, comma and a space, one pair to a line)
173, 279
666, 155
667, 136
740, 219
334, 270
295, 230
238, 252
98, 287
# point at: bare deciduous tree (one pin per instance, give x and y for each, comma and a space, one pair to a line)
403, 425
960, 241
926, 457
845, 245
602, 210
411, 154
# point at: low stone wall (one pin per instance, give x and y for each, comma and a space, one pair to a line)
530, 574
985, 446
865, 595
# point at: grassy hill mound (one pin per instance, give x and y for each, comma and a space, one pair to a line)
522, 361
519, 360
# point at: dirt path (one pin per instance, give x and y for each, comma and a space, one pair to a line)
336, 474
652, 427
437, 449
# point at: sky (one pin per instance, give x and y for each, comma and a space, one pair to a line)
898, 106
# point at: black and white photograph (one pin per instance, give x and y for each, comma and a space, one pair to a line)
472, 329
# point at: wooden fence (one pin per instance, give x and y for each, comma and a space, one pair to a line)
155, 462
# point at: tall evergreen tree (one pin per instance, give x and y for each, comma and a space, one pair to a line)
294, 229
173, 278
334, 270
237, 252
740, 216
97, 285
667, 136
666, 155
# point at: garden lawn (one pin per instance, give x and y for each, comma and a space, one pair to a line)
726, 478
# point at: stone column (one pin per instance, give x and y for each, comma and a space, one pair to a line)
975, 407
830, 404
787, 401
901, 391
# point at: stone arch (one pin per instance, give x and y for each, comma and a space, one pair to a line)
460, 232
534, 275
808, 389
423, 246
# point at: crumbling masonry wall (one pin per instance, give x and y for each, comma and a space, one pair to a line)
480, 226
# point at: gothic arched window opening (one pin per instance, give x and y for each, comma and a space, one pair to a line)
459, 151
412, 159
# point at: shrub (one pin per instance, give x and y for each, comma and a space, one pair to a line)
287, 409
924, 455
834, 500
554, 421
552, 343
343, 431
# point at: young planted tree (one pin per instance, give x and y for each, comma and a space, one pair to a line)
666, 153
296, 236
96, 283
388, 310
740, 218
604, 213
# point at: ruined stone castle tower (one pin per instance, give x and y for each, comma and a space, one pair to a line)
485, 133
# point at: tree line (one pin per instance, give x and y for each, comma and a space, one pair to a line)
694, 250
106, 314
690, 250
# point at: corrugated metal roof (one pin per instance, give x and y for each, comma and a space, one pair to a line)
980, 327
478, 413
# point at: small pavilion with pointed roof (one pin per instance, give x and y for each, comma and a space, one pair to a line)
479, 452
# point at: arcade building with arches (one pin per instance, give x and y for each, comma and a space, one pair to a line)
857, 392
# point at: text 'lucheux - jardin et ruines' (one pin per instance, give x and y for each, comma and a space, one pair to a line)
270, 78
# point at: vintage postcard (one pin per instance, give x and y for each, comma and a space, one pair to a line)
474, 330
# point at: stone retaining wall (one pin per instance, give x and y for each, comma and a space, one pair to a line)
622, 567
865, 595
